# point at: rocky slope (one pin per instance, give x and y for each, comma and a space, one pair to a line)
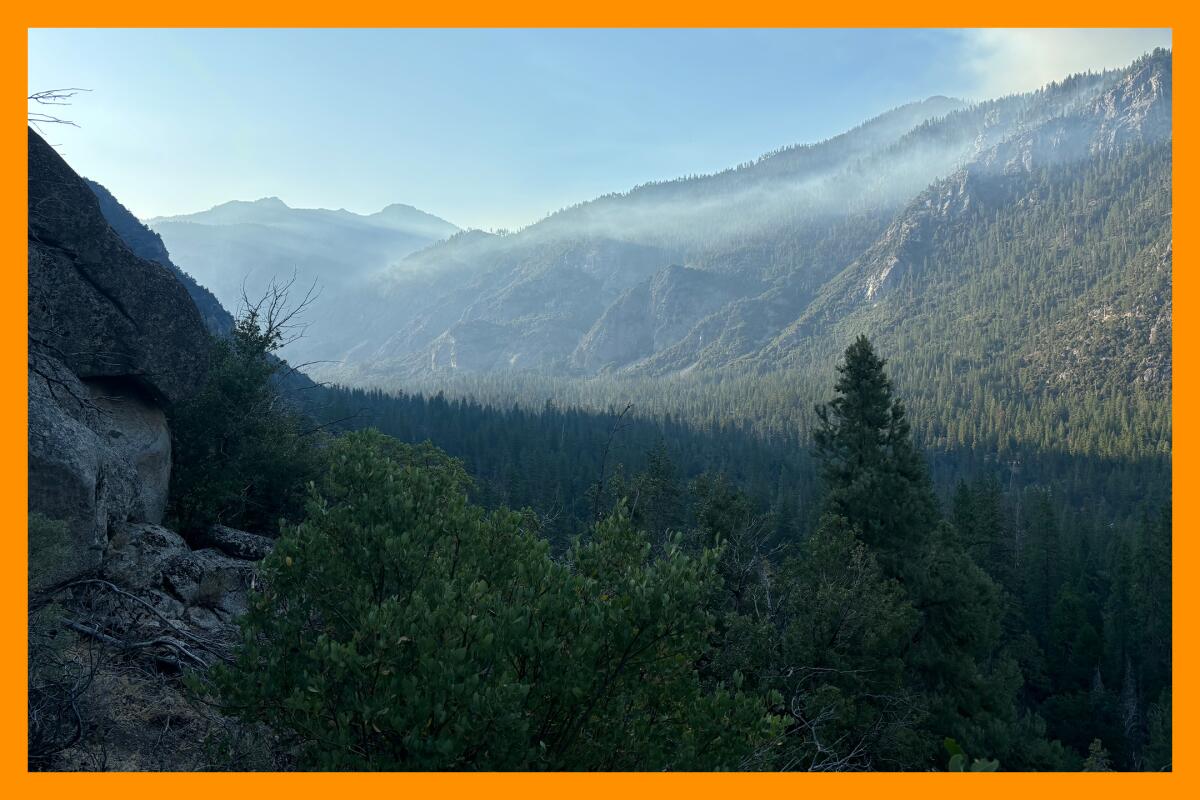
1001, 245
113, 340
655, 315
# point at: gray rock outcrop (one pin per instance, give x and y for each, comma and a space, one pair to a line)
202, 589
74, 475
135, 428
237, 544
113, 340
655, 315
93, 304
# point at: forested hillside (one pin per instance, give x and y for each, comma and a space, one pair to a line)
1019, 282
810, 236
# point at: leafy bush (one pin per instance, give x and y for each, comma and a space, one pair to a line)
403, 628
842, 629
960, 762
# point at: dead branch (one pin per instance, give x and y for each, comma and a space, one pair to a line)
52, 97
618, 426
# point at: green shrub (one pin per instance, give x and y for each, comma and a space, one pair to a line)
403, 628
960, 762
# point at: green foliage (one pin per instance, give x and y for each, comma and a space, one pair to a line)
959, 762
839, 607
1016, 602
241, 456
1158, 753
657, 504
56, 679
876, 481
1012, 627
873, 475
404, 628
844, 629
1098, 759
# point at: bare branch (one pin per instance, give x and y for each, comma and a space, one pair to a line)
52, 97
276, 313
617, 427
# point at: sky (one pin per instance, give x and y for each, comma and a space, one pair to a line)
497, 128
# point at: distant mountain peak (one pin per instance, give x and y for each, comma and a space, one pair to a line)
396, 208
943, 100
272, 211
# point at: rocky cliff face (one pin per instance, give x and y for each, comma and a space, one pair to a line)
1132, 110
114, 340
147, 244
74, 475
93, 304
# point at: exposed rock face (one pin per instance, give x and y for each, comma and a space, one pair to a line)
96, 306
655, 315
156, 609
74, 474
137, 556
147, 244
237, 544
113, 338
203, 588
136, 430
469, 346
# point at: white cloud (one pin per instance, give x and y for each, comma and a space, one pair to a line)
1006, 60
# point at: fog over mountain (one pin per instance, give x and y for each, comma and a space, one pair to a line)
241, 247
761, 265
807, 238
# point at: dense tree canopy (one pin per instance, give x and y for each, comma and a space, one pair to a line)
406, 629
706, 621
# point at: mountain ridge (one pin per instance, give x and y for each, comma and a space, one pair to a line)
799, 241
876, 231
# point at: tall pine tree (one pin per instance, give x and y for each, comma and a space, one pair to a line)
874, 477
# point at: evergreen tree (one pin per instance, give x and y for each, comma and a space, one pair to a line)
843, 630
874, 477
240, 453
657, 497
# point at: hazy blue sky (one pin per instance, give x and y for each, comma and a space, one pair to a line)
496, 128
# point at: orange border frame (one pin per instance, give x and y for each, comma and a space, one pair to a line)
540, 13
